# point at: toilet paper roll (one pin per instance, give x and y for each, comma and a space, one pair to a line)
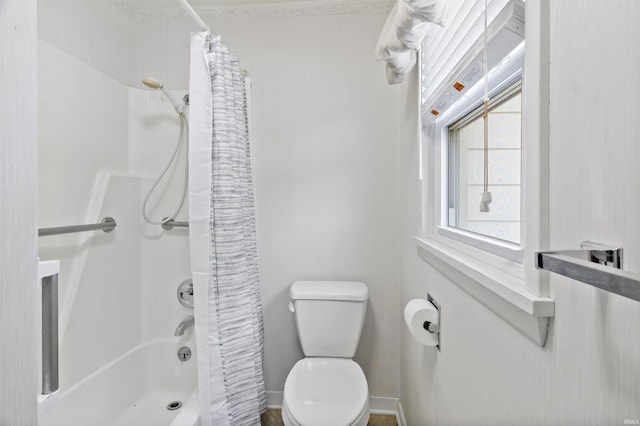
416, 313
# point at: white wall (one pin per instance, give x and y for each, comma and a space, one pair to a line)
324, 134
488, 373
93, 31
18, 209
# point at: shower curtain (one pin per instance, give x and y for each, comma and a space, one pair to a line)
224, 263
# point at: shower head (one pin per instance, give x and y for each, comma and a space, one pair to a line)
150, 82
154, 84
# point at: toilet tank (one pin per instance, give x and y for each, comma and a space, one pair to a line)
329, 316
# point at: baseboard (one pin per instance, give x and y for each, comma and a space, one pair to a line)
274, 399
378, 404
402, 421
383, 405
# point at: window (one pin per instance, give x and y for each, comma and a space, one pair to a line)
466, 157
493, 250
452, 110
459, 136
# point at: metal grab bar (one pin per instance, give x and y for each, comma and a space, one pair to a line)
107, 225
595, 265
50, 377
168, 223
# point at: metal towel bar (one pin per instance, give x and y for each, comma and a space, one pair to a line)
596, 265
107, 225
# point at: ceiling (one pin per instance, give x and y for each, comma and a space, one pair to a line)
163, 4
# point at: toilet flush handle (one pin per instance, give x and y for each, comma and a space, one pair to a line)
291, 307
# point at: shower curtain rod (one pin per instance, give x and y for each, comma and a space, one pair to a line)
198, 20
192, 13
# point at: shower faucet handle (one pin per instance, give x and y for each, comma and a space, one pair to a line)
185, 293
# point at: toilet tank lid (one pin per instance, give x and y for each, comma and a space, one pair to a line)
329, 290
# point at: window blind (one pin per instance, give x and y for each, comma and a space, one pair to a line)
444, 47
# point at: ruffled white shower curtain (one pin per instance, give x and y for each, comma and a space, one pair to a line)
224, 263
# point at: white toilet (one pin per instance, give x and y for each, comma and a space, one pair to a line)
327, 388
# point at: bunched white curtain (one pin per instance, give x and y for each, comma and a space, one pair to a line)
224, 263
403, 32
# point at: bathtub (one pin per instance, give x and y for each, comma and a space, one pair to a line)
134, 389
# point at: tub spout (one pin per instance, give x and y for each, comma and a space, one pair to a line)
186, 322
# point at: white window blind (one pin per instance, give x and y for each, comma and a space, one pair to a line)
444, 47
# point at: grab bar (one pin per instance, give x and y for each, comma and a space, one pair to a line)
107, 225
50, 377
596, 265
168, 223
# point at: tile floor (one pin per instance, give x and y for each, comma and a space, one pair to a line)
273, 418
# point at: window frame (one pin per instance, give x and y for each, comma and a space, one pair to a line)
469, 111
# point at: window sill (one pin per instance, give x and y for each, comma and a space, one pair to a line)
507, 287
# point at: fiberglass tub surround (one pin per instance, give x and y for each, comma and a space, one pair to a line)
136, 388
117, 303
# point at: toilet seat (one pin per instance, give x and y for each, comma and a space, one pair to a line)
326, 392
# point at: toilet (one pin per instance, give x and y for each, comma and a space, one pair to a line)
327, 388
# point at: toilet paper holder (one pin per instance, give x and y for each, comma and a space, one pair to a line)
432, 327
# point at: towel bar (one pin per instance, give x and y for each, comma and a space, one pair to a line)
596, 265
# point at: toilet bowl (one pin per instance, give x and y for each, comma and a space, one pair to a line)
326, 391
327, 388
